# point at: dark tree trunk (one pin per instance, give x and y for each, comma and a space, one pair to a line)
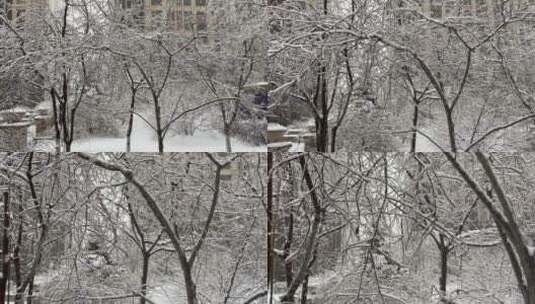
443, 265
322, 120
191, 291
17, 261
311, 242
57, 132
5, 250
287, 248
63, 113
269, 209
324, 130
228, 145
159, 131
451, 131
334, 130
130, 121
304, 287
19, 297
144, 278
521, 262
29, 300
415, 126
304, 290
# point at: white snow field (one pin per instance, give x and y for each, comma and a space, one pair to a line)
425, 145
144, 140
167, 293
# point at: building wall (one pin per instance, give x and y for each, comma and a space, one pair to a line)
176, 15
483, 9
19, 87
16, 9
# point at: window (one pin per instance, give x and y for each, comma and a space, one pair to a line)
188, 21
186, 2
155, 2
179, 21
171, 19
201, 21
127, 4
436, 11
467, 10
200, 2
174, 20
20, 16
156, 18
449, 8
481, 10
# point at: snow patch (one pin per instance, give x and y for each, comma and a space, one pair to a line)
144, 140
272, 126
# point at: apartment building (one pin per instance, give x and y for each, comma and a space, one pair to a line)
176, 15
21, 93
16, 10
475, 11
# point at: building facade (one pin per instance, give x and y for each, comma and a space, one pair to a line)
176, 15
16, 10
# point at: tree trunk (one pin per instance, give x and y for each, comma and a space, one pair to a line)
191, 291
19, 297
130, 121
17, 261
159, 131
451, 131
443, 266
415, 127
304, 287
304, 290
144, 278
5, 250
57, 133
322, 134
29, 300
507, 227
308, 255
185, 262
269, 215
68, 145
63, 113
322, 123
287, 249
228, 146
333, 138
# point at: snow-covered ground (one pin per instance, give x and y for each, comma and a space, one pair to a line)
144, 140
167, 293
425, 145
